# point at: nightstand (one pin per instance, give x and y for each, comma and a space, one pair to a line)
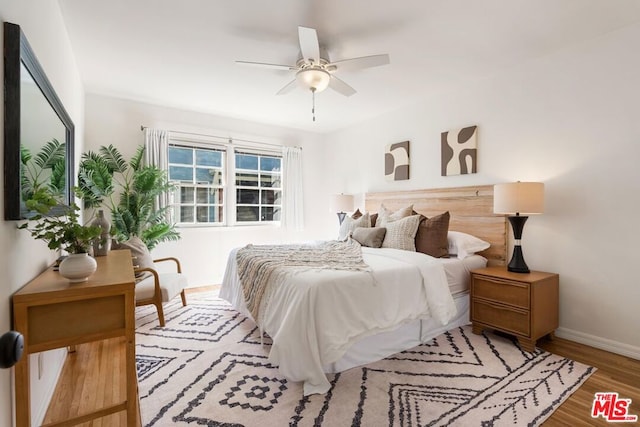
524, 305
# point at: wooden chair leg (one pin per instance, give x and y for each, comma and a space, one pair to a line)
184, 298
158, 305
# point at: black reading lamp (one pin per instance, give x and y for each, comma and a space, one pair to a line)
518, 199
341, 204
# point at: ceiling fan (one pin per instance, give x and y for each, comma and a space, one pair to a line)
314, 70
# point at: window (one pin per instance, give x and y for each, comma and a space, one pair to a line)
258, 181
199, 177
204, 195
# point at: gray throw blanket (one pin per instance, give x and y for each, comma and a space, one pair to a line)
261, 265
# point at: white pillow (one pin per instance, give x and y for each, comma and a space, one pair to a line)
401, 233
349, 224
385, 214
464, 245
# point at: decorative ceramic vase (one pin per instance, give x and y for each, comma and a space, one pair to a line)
78, 267
102, 245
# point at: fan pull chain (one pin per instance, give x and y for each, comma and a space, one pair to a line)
313, 103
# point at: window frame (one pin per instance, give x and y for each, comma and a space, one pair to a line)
228, 187
259, 188
195, 185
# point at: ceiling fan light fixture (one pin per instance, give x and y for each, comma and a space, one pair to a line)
315, 79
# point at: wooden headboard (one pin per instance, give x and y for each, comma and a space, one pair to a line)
471, 210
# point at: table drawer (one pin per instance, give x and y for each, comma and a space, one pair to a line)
504, 291
501, 317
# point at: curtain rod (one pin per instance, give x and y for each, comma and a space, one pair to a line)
231, 140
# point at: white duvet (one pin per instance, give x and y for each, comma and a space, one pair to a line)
313, 317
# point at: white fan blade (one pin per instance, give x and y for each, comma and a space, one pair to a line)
265, 65
361, 62
309, 45
340, 86
288, 87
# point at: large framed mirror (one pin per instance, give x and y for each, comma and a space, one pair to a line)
38, 131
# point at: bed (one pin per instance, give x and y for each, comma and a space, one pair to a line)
333, 320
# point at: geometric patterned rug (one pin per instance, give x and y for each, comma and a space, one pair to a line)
207, 367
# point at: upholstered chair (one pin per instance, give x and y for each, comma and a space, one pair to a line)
158, 288
154, 285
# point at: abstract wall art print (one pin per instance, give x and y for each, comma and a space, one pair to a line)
459, 150
396, 161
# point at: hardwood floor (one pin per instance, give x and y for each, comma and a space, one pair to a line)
615, 374
87, 382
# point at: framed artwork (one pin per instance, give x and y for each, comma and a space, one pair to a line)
459, 151
396, 161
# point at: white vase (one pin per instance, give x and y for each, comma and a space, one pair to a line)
78, 267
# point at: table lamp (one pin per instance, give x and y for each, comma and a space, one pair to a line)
341, 204
518, 199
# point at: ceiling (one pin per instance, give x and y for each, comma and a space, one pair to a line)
182, 53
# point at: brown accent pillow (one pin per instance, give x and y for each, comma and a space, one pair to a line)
374, 218
431, 238
370, 237
357, 214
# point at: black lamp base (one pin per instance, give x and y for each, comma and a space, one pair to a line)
517, 264
341, 216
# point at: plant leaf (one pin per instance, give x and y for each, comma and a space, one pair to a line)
95, 181
136, 160
58, 178
50, 154
25, 154
113, 159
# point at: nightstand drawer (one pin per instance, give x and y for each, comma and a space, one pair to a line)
504, 291
501, 316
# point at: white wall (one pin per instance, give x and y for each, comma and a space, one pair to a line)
202, 251
21, 257
571, 120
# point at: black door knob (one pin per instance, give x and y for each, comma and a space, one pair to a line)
11, 346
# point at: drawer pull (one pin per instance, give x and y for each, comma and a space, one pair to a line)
503, 282
498, 307
501, 307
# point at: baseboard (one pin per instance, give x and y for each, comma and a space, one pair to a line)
57, 359
599, 342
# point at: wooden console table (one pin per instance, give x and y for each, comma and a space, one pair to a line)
52, 313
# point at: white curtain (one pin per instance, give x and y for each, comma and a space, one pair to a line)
292, 212
156, 153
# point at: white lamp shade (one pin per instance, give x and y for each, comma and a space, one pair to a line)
518, 198
341, 203
313, 78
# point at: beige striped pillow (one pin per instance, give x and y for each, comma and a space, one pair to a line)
401, 233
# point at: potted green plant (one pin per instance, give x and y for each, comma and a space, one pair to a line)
129, 190
49, 219
64, 232
42, 176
